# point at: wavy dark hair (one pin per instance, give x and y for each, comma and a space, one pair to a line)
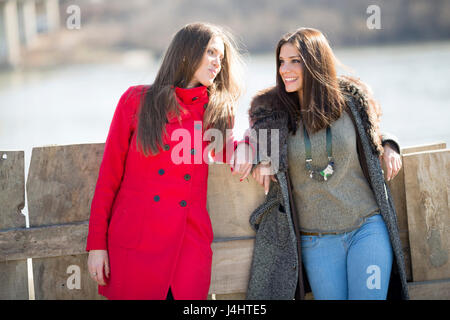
181, 60
322, 101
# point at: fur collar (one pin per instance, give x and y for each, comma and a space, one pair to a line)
366, 109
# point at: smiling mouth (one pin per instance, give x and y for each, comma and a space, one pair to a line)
288, 80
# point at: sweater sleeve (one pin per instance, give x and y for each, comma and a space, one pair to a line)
391, 140
111, 171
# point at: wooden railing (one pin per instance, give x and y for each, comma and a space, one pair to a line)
61, 184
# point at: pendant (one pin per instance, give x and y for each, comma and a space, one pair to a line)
321, 175
327, 172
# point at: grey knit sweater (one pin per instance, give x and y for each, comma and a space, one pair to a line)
345, 200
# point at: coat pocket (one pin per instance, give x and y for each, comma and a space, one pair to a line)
125, 228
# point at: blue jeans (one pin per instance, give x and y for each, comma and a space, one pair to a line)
352, 265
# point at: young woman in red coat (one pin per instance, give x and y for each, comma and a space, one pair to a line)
150, 234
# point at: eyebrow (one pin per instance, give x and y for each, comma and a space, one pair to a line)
290, 57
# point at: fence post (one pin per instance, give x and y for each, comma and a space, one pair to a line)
13, 273
60, 187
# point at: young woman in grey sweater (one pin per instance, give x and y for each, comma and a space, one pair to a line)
328, 202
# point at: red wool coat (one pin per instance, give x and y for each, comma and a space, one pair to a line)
150, 213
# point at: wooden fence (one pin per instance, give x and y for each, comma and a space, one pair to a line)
61, 183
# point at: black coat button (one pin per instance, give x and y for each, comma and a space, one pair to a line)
166, 147
187, 177
194, 98
205, 106
156, 198
161, 171
192, 151
183, 203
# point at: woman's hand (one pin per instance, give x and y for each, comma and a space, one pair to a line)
241, 162
262, 175
393, 162
97, 260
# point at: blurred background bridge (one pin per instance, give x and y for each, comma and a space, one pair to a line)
22, 21
116, 26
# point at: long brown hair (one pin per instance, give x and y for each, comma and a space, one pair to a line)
322, 101
181, 60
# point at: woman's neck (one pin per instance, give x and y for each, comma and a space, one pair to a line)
193, 85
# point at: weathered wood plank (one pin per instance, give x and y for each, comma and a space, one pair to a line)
12, 189
60, 187
69, 279
13, 280
61, 183
230, 202
397, 188
397, 185
13, 274
424, 147
41, 242
426, 187
231, 266
430, 290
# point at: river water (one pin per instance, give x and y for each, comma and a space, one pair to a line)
75, 104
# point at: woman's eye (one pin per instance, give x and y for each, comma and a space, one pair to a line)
296, 61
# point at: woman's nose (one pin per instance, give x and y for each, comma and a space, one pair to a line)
284, 68
216, 62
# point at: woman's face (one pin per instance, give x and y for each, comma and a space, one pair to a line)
291, 68
210, 65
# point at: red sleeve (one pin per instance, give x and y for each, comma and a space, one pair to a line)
111, 169
229, 148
